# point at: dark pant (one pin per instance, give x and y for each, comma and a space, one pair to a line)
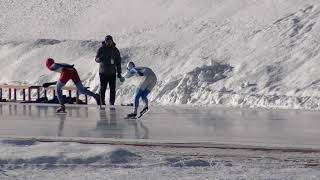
104, 81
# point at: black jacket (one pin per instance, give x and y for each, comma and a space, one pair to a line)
109, 59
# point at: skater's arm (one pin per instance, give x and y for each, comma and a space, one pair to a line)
68, 66
130, 73
58, 66
45, 85
133, 72
140, 73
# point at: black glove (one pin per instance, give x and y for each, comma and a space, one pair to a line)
140, 73
45, 85
119, 76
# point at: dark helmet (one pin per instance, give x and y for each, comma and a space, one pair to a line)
108, 38
49, 62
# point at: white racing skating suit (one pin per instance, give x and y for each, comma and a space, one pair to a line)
145, 86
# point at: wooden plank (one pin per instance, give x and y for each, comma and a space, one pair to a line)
24, 94
9, 93
77, 98
37, 88
14, 86
38, 93
15, 94
21, 87
29, 94
45, 93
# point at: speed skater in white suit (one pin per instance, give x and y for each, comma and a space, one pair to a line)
143, 89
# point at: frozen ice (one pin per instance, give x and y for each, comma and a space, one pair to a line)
163, 125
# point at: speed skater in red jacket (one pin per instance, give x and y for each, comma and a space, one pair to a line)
67, 72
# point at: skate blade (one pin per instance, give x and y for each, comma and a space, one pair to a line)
130, 104
130, 118
142, 114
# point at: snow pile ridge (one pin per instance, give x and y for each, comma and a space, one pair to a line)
230, 53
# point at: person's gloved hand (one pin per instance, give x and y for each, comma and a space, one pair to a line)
45, 85
121, 78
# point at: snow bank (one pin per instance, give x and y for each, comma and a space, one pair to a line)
17, 154
35, 160
247, 54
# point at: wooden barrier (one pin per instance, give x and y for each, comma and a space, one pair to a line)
38, 89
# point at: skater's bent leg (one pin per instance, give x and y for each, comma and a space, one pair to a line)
137, 96
59, 87
84, 90
144, 97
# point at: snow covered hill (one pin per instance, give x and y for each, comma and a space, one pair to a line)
244, 53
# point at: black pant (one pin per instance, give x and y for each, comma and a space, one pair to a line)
104, 81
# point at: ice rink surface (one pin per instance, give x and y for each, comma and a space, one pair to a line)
176, 125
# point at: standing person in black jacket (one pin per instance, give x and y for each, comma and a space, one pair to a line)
108, 56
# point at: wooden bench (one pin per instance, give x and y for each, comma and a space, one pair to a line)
24, 88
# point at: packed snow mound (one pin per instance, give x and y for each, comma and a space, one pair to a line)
188, 162
184, 89
248, 53
27, 154
62, 160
